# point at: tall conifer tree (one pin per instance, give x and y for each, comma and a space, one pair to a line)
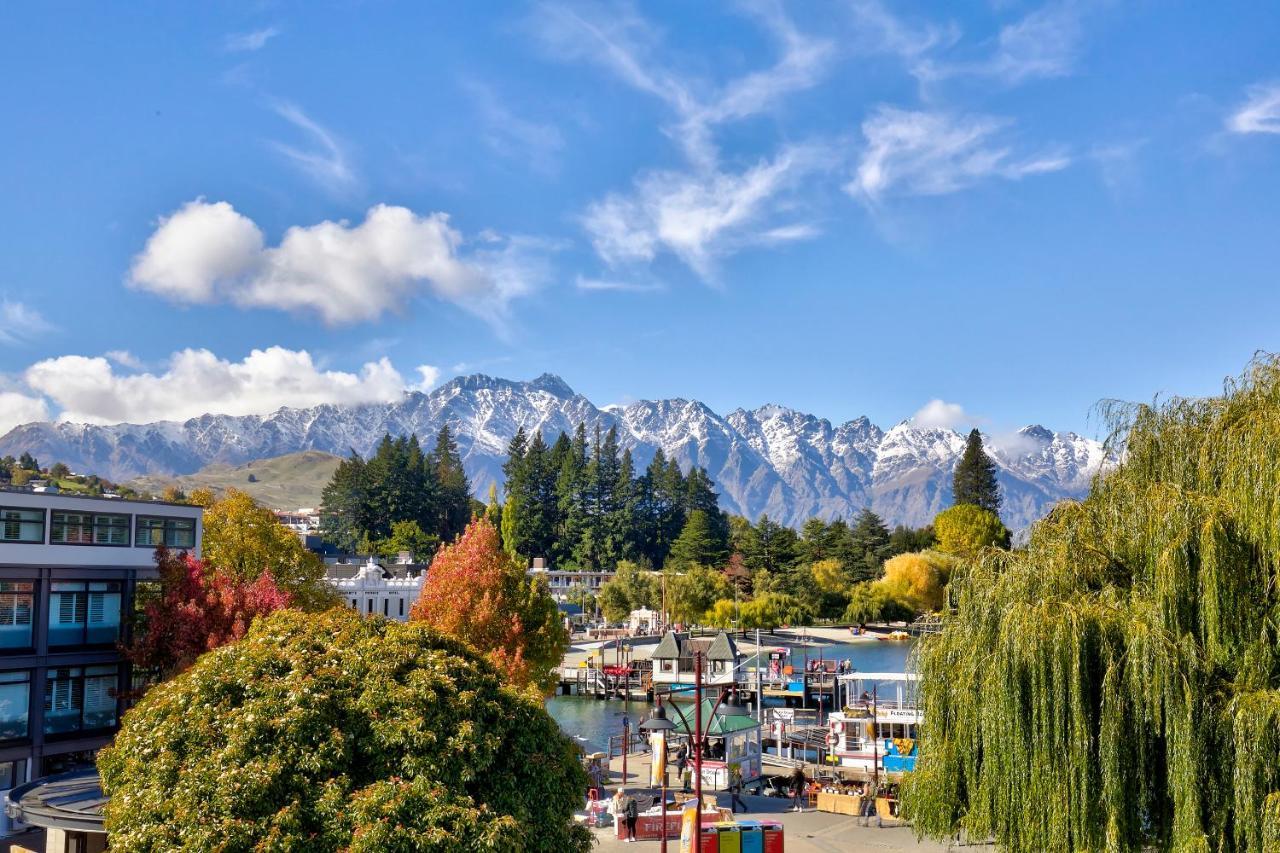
974, 481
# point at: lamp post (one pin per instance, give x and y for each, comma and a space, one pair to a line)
659, 723
697, 725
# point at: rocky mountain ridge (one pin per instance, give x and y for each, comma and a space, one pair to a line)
775, 460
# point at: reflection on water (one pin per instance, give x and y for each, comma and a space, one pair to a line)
591, 722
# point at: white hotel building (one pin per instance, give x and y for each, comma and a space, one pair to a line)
69, 567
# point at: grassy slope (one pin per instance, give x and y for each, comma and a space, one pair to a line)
283, 482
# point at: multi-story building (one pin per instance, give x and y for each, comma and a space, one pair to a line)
564, 583
69, 567
371, 588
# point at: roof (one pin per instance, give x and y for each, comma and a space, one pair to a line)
669, 648
723, 648
719, 724
71, 801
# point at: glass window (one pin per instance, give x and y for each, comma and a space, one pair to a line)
16, 601
84, 613
21, 525
71, 528
15, 701
80, 698
111, 530
169, 532
13, 773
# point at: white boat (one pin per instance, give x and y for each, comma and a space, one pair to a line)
878, 724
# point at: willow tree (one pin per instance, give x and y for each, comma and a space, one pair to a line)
1116, 684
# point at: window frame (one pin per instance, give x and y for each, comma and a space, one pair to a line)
92, 526
81, 675
44, 525
32, 611
19, 680
86, 590
169, 523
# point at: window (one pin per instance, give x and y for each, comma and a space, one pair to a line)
84, 613
88, 528
80, 699
12, 773
386, 607
21, 525
16, 600
169, 532
15, 701
402, 605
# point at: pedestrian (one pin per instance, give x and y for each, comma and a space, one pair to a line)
626, 808
735, 789
798, 785
682, 761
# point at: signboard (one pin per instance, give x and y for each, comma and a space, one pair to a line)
689, 828
658, 762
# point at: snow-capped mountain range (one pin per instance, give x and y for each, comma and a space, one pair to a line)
773, 460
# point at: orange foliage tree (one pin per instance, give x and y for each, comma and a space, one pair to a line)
478, 593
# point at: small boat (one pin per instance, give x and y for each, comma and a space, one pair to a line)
894, 637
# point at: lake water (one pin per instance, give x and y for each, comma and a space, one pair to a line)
591, 721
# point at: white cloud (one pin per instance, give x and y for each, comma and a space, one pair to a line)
697, 216
20, 323
931, 153
939, 414
251, 41
430, 377
208, 252
1045, 43
534, 144
124, 358
196, 382
626, 44
17, 409
1260, 112
877, 30
597, 285
327, 163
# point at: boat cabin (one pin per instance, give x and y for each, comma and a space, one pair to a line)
878, 722
674, 656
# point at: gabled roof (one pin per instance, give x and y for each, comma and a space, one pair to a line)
669, 648
723, 648
720, 724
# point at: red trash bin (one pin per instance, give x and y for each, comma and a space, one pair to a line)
708, 840
772, 837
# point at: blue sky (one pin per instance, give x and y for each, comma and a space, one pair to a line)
848, 207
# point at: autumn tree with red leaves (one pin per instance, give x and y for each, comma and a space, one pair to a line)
197, 609
478, 593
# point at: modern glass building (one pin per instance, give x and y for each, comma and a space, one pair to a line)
69, 570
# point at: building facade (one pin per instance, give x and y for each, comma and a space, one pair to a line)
565, 585
69, 569
371, 589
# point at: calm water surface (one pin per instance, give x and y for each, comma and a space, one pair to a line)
591, 721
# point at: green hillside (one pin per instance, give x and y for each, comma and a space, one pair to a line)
281, 482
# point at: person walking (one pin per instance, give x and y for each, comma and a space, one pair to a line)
682, 762
735, 789
630, 812
798, 785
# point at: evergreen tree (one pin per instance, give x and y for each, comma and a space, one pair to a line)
697, 545
974, 481
571, 500
870, 539
453, 510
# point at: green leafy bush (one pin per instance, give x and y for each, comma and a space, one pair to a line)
330, 731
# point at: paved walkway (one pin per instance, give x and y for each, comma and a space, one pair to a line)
809, 832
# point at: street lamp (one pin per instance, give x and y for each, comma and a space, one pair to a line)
659, 723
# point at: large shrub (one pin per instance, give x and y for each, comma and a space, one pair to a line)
329, 731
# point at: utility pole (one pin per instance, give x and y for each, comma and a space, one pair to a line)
697, 738
875, 737
626, 736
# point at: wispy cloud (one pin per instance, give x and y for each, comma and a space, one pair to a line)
877, 30
20, 323
534, 144
939, 414
700, 216
933, 153
1260, 113
598, 285
250, 41
327, 162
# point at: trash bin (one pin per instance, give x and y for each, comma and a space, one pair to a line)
708, 840
772, 832
752, 836
730, 837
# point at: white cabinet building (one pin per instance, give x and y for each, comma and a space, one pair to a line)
373, 589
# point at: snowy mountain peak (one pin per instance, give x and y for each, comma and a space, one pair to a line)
773, 459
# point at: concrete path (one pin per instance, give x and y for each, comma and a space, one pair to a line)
809, 832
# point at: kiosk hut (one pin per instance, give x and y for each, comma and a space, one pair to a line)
674, 656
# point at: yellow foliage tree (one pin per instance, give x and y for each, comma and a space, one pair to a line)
245, 539
830, 576
916, 580
965, 528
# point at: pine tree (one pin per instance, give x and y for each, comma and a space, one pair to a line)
697, 544
454, 507
870, 539
975, 477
